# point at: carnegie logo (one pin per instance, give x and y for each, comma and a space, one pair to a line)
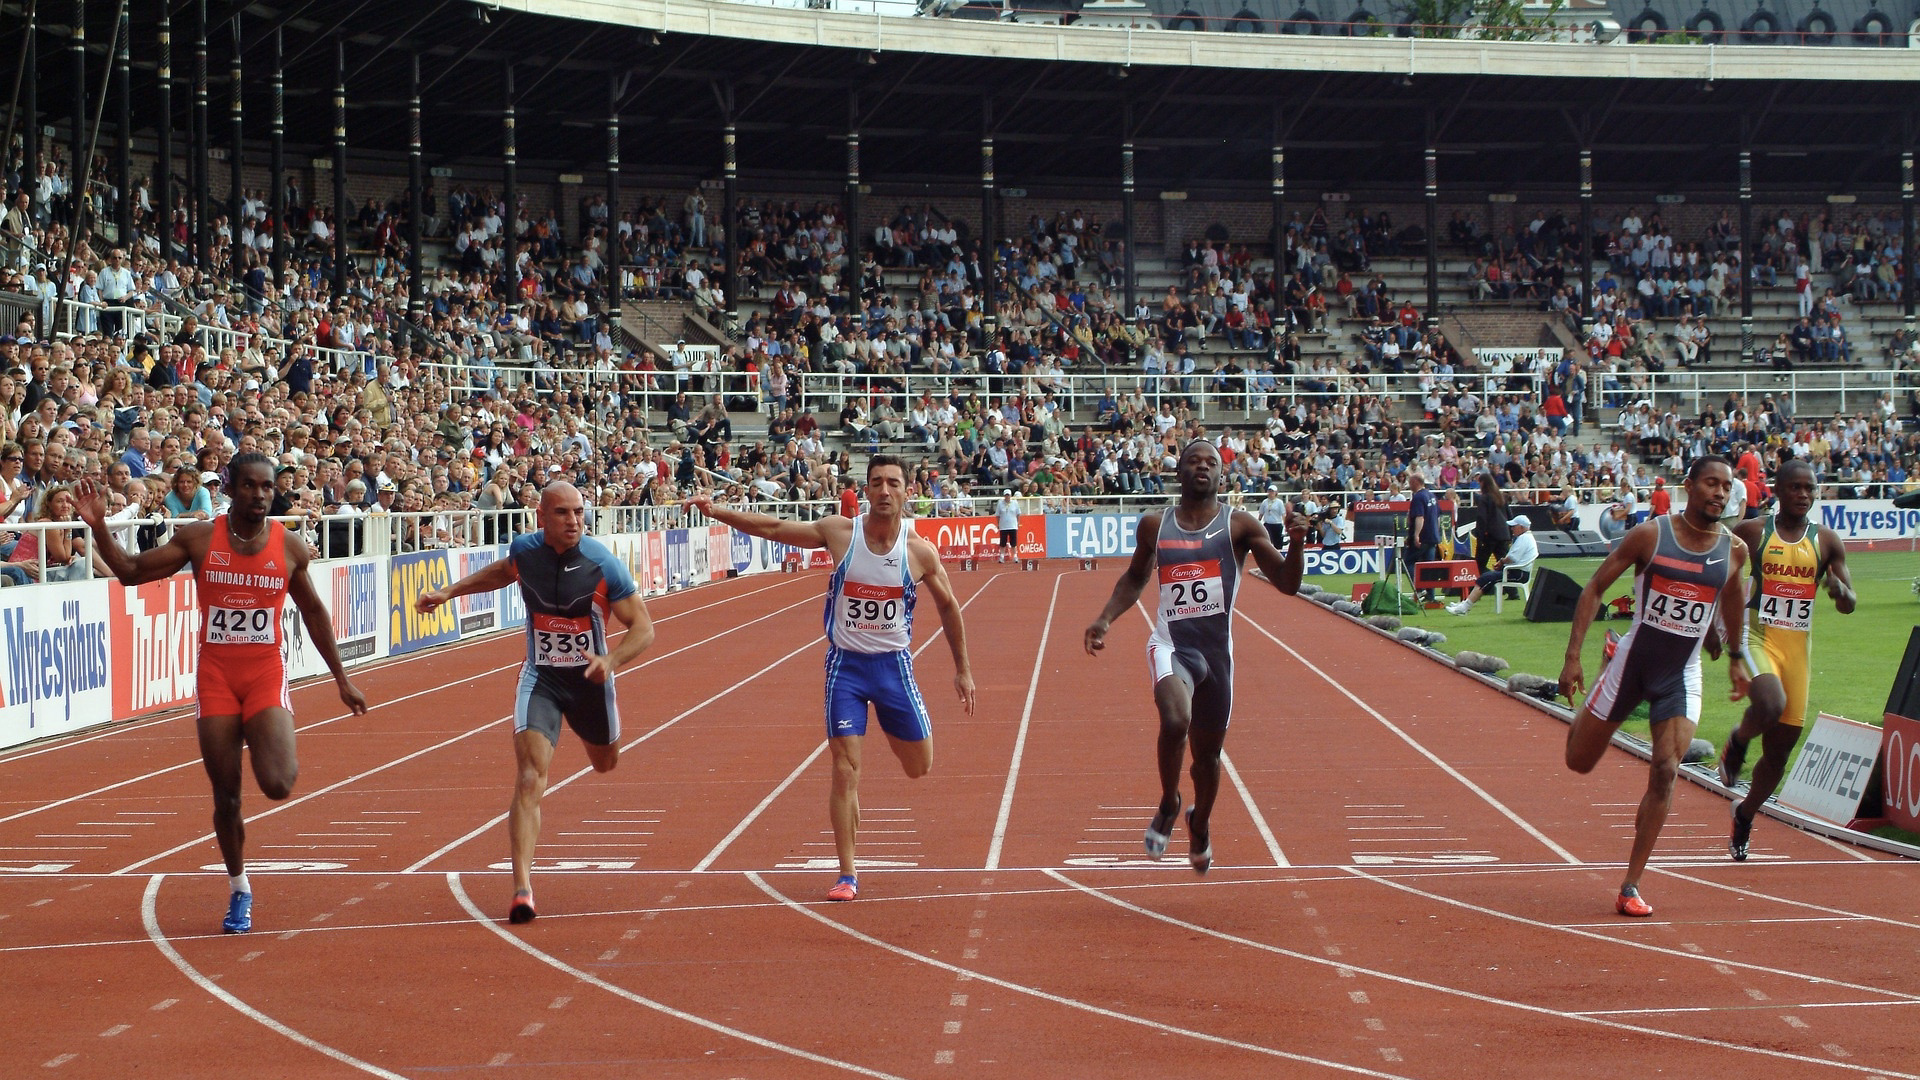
1185, 573
1684, 590
234, 600
862, 591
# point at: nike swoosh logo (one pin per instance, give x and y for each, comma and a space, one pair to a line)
570, 569
1715, 562
1211, 535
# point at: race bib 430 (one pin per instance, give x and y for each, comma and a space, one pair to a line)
1679, 607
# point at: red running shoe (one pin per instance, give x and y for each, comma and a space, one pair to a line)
1629, 903
522, 909
844, 889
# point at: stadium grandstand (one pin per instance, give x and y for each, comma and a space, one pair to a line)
429, 256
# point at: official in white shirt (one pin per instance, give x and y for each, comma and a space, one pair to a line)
1520, 557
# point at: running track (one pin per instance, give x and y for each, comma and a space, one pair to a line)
1408, 883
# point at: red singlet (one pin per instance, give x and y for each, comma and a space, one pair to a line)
242, 669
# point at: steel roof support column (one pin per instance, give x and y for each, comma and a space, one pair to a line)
1433, 229
201, 158
235, 181
278, 166
123, 120
729, 220
1586, 243
416, 189
1746, 254
30, 100
162, 220
82, 167
616, 283
1907, 287
989, 235
1127, 216
1278, 180
342, 212
851, 276
510, 192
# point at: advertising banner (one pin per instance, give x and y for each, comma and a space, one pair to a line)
679, 561
1525, 359
719, 552
1346, 560
1867, 519
656, 579
983, 534
740, 551
407, 577
1830, 775
478, 613
57, 676
513, 606
156, 627
1077, 536
697, 553
350, 588
1900, 786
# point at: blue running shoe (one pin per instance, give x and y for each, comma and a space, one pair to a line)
239, 918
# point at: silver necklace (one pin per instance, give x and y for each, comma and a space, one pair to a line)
247, 539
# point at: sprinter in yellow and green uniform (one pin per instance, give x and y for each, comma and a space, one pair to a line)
1790, 556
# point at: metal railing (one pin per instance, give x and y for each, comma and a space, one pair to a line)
1695, 391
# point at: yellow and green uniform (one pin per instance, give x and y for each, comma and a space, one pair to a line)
1780, 614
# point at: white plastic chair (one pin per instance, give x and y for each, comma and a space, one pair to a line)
1517, 582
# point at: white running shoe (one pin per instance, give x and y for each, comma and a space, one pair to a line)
1458, 608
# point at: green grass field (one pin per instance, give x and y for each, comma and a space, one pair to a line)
1855, 656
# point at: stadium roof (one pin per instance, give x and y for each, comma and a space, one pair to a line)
1354, 114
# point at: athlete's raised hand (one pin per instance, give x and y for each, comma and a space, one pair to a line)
963, 682
90, 498
1573, 679
1096, 637
702, 502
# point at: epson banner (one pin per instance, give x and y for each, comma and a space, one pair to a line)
1349, 560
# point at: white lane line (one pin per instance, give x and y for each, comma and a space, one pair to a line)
1745, 1008
799, 770
197, 763
1625, 942
1253, 809
1057, 999
335, 786
150, 917
1484, 795
664, 725
1239, 785
1020, 739
489, 725
460, 895
1788, 901
1452, 991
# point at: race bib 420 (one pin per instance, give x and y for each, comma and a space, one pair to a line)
240, 626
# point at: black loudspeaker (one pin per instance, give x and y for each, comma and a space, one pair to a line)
1553, 598
1904, 698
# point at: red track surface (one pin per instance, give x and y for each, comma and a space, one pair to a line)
1435, 900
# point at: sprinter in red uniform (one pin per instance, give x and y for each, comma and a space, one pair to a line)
244, 566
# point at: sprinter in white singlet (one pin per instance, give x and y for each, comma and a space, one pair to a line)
880, 566
1197, 546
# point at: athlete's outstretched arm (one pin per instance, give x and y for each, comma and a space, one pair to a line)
1634, 550
497, 574
1839, 579
1132, 580
804, 534
632, 613
1282, 572
1733, 616
926, 560
162, 562
313, 612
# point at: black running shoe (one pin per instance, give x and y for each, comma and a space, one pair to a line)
1742, 832
1160, 831
1733, 758
522, 910
1202, 855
